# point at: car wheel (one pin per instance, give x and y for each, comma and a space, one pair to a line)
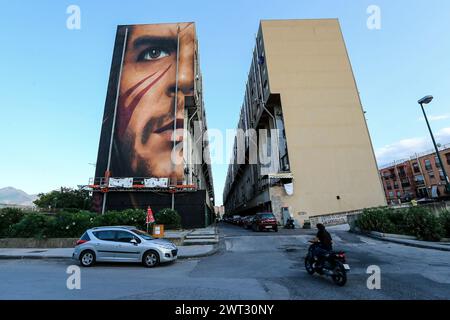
87, 258
275, 229
150, 259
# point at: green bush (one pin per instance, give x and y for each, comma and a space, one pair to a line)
423, 224
444, 218
130, 217
398, 219
169, 218
32, 225
16, 223
376, 219
8, 217
415, 221
71, 225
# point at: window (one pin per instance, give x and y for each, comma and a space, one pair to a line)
436, 161
85, 237
401, 171
399, 194
422, 193
265, 216
431, 174
123, 236
388, 185
447, 156
392, 172
428, 165
441, 175
395, 184
419, 179
391, 194
108, 235
416, 167
405, 183
143, 234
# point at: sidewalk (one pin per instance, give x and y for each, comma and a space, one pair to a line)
442, 246
184, 252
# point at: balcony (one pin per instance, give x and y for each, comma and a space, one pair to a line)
419, 182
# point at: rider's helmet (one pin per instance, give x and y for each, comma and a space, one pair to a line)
320, 226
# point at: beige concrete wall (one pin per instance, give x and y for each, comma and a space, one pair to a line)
329, 145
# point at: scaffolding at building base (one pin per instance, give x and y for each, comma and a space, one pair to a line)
104, 185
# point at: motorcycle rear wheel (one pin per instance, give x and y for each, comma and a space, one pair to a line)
339, 275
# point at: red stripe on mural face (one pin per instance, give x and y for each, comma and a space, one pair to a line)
130, 91
125, 112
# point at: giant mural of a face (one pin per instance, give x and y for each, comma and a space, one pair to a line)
145, 121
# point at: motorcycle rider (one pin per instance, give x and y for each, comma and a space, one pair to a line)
323, 244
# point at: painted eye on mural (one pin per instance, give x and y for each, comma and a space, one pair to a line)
153, 53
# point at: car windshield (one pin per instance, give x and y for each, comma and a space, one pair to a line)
266, 216
143, 234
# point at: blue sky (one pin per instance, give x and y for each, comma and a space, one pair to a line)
53, 80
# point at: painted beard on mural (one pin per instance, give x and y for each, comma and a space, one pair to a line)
144, 136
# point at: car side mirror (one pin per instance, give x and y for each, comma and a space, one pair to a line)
134, 241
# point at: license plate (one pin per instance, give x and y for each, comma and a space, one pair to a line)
268, 227
346, 267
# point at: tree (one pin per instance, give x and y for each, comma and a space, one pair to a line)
65, 198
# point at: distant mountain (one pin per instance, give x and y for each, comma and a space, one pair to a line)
13, 196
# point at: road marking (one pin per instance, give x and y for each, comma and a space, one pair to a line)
228, 245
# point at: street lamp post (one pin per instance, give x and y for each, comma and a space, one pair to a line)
427, 100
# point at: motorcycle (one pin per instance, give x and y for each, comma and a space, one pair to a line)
289, 224
334, 265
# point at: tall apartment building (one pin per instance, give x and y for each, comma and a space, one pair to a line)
148, 155
419, 177
301, 83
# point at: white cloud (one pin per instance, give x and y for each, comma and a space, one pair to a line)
436, 118
406, 148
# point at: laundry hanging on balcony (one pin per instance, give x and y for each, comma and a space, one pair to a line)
434, 192
289, 188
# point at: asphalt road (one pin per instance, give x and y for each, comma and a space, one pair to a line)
248, 266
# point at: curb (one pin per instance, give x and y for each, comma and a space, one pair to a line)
398, 241
207, 254
31, 257
40, 257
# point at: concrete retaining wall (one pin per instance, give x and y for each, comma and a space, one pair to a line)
55, 242
38, 243
335, 219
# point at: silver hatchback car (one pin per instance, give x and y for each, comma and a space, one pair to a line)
122, 244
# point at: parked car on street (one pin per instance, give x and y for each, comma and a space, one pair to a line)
247, 222
228, 219
236, 219
264, 221
122, 244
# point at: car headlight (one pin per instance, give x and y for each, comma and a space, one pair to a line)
168, 246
